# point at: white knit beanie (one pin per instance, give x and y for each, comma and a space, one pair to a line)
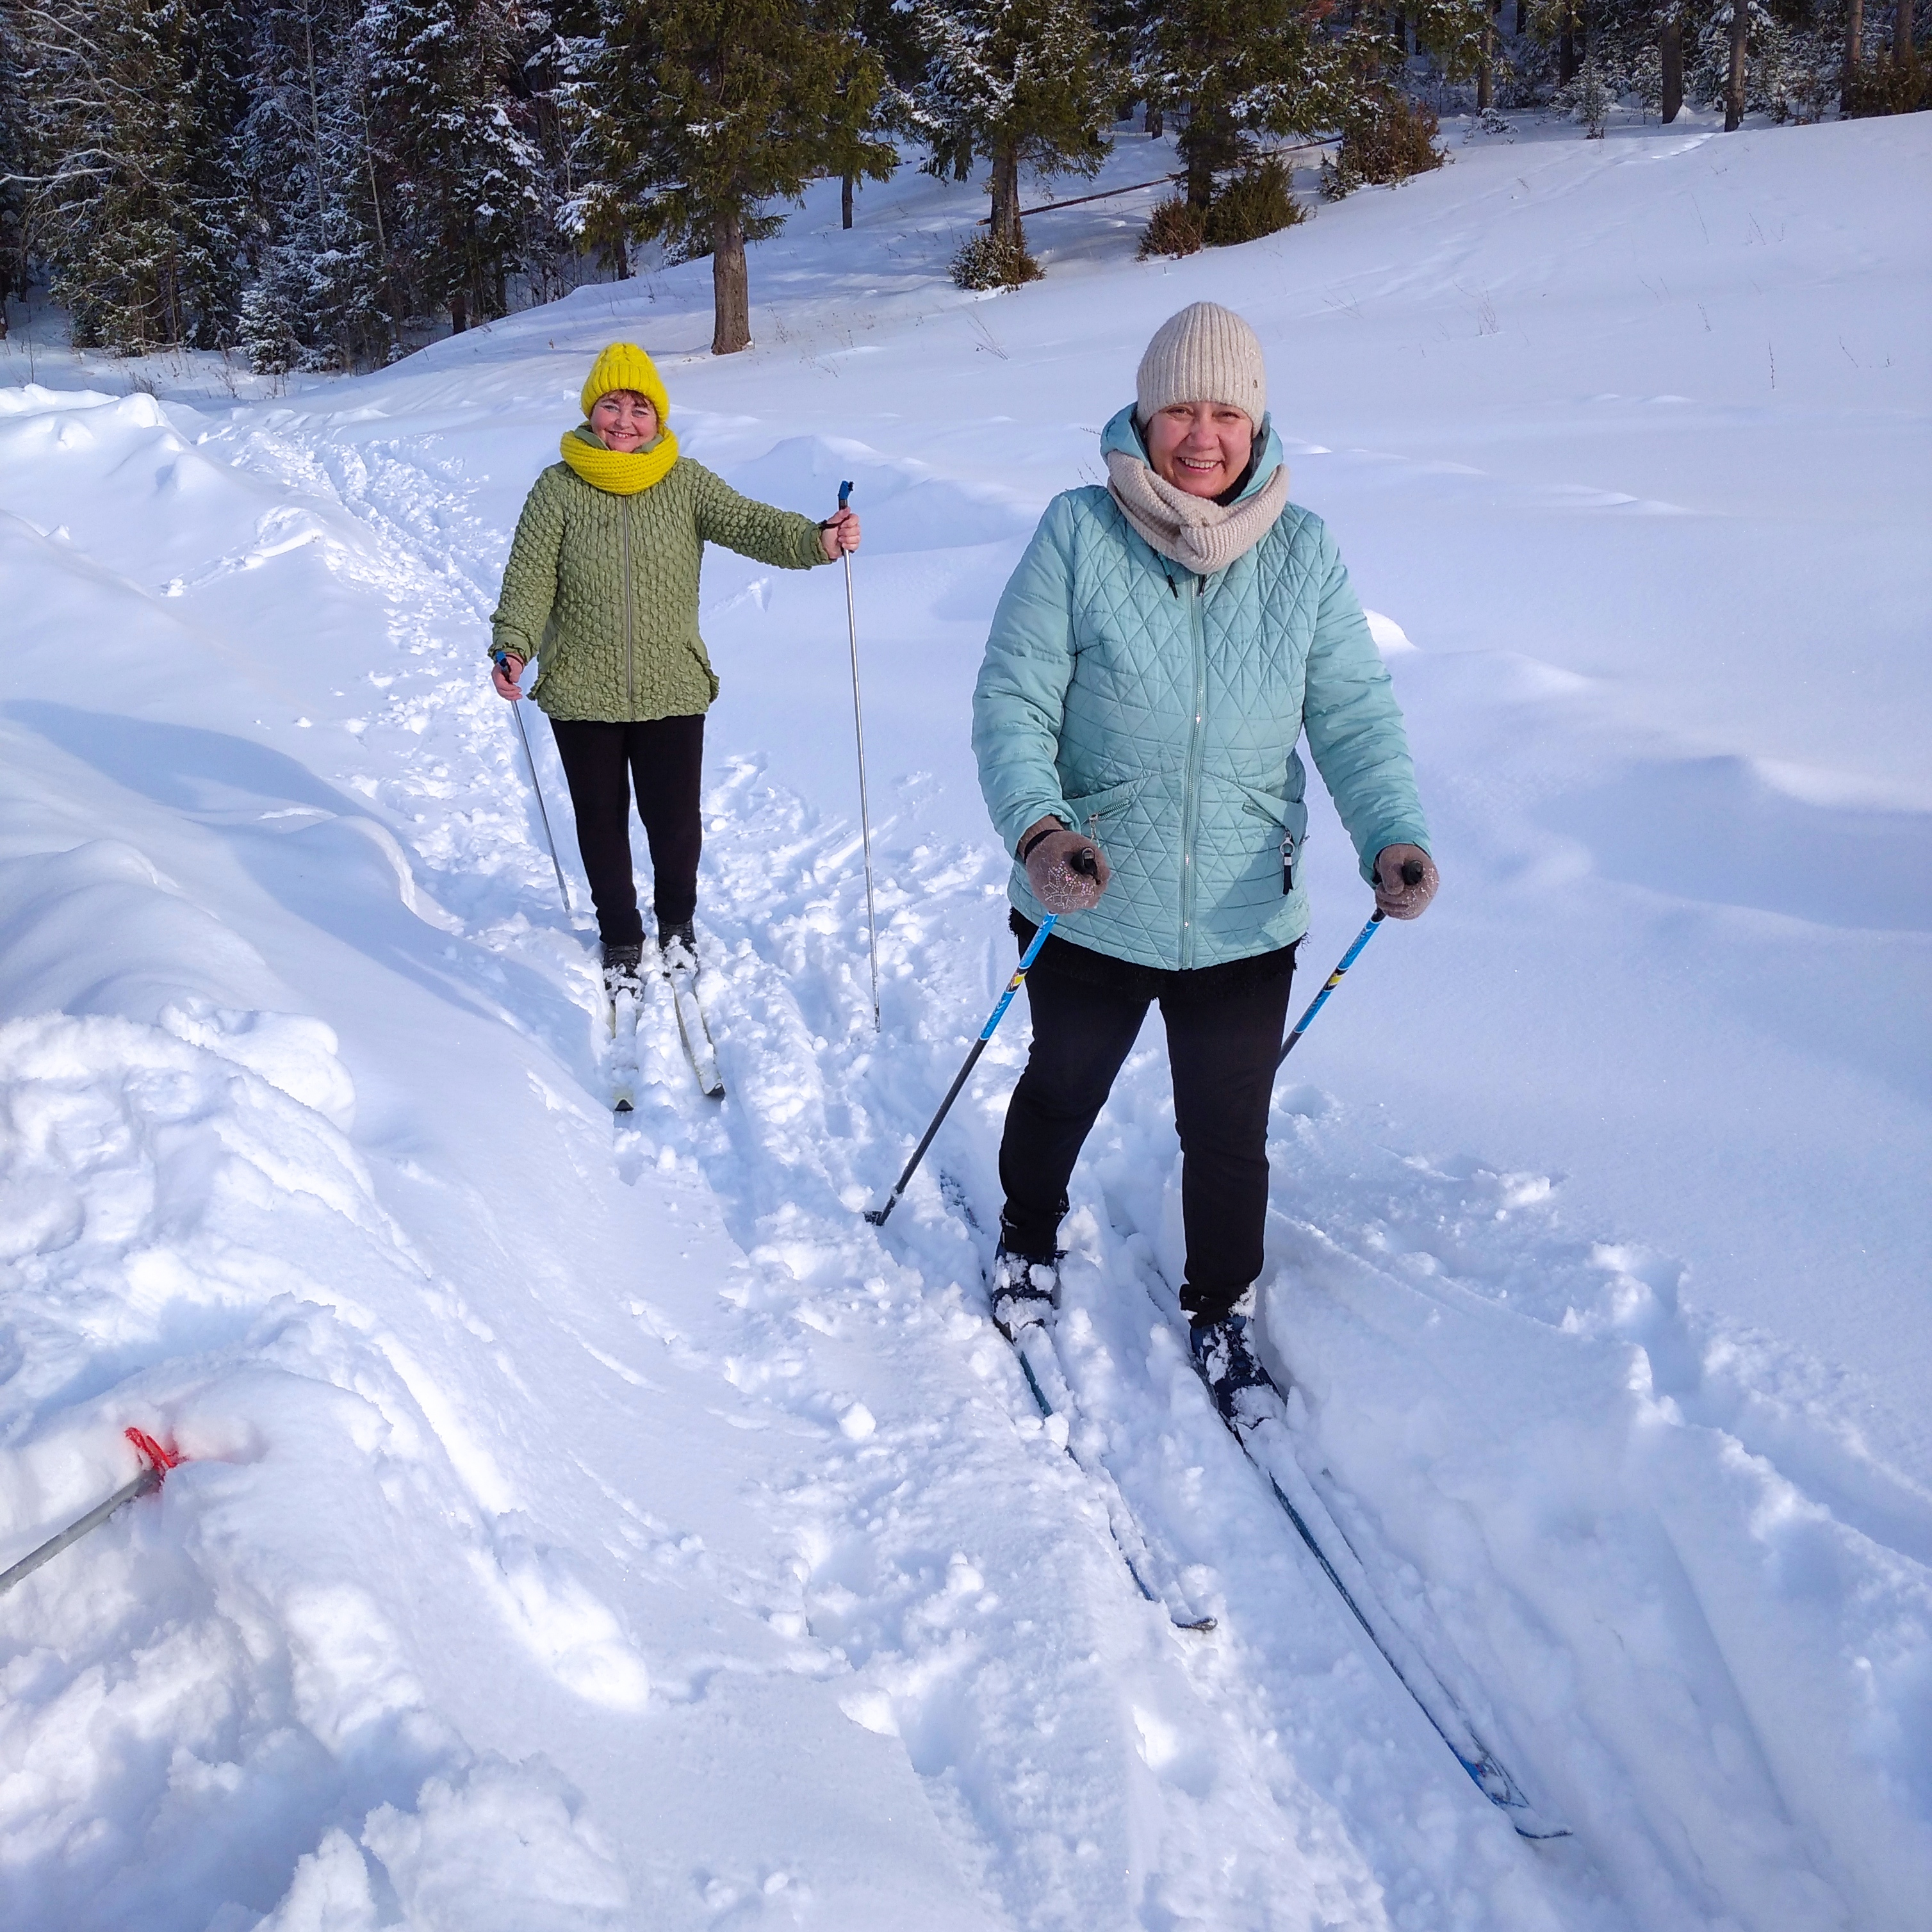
1205, 354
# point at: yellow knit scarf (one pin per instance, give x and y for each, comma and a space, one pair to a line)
623, 473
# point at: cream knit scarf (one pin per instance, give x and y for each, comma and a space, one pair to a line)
1196, 532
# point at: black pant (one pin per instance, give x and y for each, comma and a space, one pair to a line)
1223, 1050
664, 758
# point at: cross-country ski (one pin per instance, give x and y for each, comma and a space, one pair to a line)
623, 997
964, 1022
1254, 1407
1152, 1576
694, 1029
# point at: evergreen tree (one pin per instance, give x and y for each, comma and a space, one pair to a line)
699, 112
1231, 71
465, 177
330, 288
12, 168
887, 29
129, 188
561, 48
1031, 82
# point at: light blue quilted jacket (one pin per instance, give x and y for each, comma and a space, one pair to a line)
1120, 691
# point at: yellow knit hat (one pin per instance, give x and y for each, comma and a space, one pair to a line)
624, 366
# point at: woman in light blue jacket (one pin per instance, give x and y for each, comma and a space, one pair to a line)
1160, 651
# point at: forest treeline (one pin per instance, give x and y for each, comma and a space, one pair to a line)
319, 184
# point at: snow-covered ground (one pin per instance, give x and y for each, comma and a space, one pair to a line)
596, 1531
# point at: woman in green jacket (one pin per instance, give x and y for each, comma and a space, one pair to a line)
1159, 653
601, 590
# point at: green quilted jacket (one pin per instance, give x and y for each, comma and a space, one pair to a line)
602, 590
1122, 692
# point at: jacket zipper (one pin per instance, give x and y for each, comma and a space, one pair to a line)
1191, 798
630, 654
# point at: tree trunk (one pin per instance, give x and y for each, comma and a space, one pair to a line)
1157, 124
1855, 52
459, 313
1901, 35
731, 287
1734, 80
1566, 50
845, 185
384, 281
1485, 74
1670, 48
1006, 222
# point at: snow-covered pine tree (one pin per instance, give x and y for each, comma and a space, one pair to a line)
888, 29
330, 288
700, 111
444, 119
1230, 73
562, 42
129, 191
12, 168
1016, 82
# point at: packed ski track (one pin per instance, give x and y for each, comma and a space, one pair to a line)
595, 1523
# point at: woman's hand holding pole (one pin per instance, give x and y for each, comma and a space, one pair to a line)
839, 535
1405, 879
507, 669
1067, 870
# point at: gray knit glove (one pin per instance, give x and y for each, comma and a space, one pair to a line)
1067, 870
1405, 879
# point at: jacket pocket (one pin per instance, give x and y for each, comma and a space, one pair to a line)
1289, 815
1104, 804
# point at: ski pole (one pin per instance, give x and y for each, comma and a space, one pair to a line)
156, 1461
1328, 986
877, 1216
1412, 875
529, 757
859, 731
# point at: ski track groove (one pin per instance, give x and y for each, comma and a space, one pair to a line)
814, 1124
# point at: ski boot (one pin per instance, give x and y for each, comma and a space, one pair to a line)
1025, 1291
620, 968
678, 944
1225, 1359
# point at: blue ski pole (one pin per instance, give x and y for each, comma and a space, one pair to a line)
1412, 875
877, 1216
1328, 986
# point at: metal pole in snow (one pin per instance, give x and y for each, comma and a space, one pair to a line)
529, 757
865, 811
156, 1461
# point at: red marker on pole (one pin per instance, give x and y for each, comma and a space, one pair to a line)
156, 1461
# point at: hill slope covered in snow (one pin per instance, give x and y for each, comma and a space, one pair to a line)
588, 1532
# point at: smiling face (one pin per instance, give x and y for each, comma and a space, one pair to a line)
624, 421
1201, 447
